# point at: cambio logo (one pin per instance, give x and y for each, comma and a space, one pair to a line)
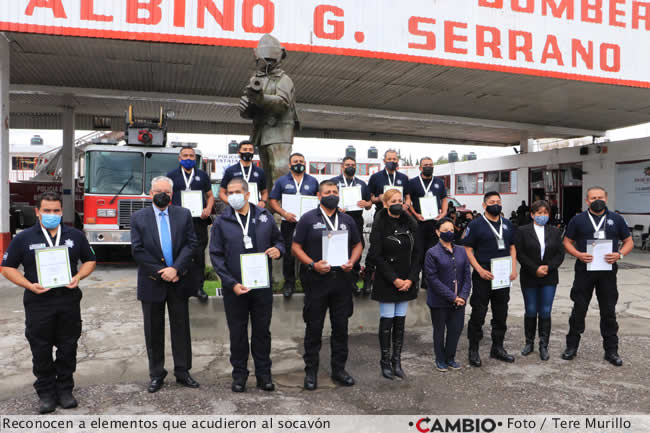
460, 425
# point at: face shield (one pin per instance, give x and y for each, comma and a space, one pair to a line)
269, 53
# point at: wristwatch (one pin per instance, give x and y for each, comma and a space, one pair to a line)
311, 266
621, 254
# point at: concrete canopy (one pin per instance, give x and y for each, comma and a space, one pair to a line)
338, 96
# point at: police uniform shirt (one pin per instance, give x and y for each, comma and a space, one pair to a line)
200, 182
287, 185
480, 237
416, 191
343, 182
380, 179
21, 252
310, 228
257, 176
581, 230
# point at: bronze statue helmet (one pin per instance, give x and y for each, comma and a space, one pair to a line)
270, 50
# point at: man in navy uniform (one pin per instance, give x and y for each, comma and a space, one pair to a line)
245, 229
188, 177
326, 286
300, 183
349, 180
52, 315
423, 186
250, 172
163, 243
489, 237
596, 223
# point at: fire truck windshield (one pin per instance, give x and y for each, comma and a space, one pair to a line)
159, 164
107, 172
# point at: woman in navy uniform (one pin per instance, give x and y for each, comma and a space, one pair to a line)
52, 316
396, 255
245, 229
326, 286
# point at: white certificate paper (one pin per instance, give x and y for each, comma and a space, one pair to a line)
429, 208
254, 198
307, 203
598, 249
501, 269
350, 196
335, 247
255, 271
53, 267
291, 204
399, 188
193, 200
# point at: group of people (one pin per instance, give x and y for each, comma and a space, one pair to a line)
408, 249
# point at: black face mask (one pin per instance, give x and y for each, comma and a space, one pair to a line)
161, 200
330, 201
447, 236
392, 166
396, 209
349, 171
598, 206
427, 171
246, 156
494, 209
298, 168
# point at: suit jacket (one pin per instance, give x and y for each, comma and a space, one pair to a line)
529, 255
147, 252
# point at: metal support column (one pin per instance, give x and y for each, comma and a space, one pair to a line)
5, 235
68, 166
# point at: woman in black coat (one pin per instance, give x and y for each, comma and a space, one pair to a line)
397, 257
540, 253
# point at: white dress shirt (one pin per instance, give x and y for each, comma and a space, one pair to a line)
539, 230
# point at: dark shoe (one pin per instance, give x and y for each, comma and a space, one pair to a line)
46, 404
238, 385
288, 289
474, 357
441, 366
356, 291
203, 297
385, 329
569, 353
367, 284
342, 377
498, 352
265, 383
453, 365
311, 380
544, 334
156, 384
398, 342
530, 323
66, 400
187, 381
614, 359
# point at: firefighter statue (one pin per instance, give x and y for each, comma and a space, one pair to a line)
269, 100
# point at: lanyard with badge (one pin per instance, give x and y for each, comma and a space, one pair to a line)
427, 189
499, 235
598, 233
391, 182
188, 182
345, 182
248, 242
298, 185
49, 239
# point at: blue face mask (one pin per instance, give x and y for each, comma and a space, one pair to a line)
50, 221
188, 163
541, 219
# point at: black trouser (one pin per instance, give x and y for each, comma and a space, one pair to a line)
607, 294
427, 238
258, 305
288, 260
482, 295
452, 320
333, 291
55, 322
198, 268
179, 327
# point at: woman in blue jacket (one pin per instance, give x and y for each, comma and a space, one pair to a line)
447, 272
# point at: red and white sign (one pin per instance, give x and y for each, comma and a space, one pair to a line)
605, 41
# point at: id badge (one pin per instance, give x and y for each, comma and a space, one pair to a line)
248, 242
429, 194
501, 244
599, 234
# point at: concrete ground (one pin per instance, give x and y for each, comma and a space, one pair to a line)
112, 371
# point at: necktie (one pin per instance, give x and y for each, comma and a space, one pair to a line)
166, 241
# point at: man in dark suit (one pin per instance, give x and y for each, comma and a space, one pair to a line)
162, 243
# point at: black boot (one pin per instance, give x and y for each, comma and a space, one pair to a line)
544, 334
530, 323
203, 297
474, 357
398, 342
288, 288
385, 328
499, 352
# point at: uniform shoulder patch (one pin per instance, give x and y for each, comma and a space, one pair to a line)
69, 243
344, 227
256, 174
610, 222
263, 218
307, 188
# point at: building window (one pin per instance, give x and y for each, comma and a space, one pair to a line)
481, 183
325, 168
466, 184
23, 163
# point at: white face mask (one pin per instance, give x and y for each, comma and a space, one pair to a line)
237, 201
